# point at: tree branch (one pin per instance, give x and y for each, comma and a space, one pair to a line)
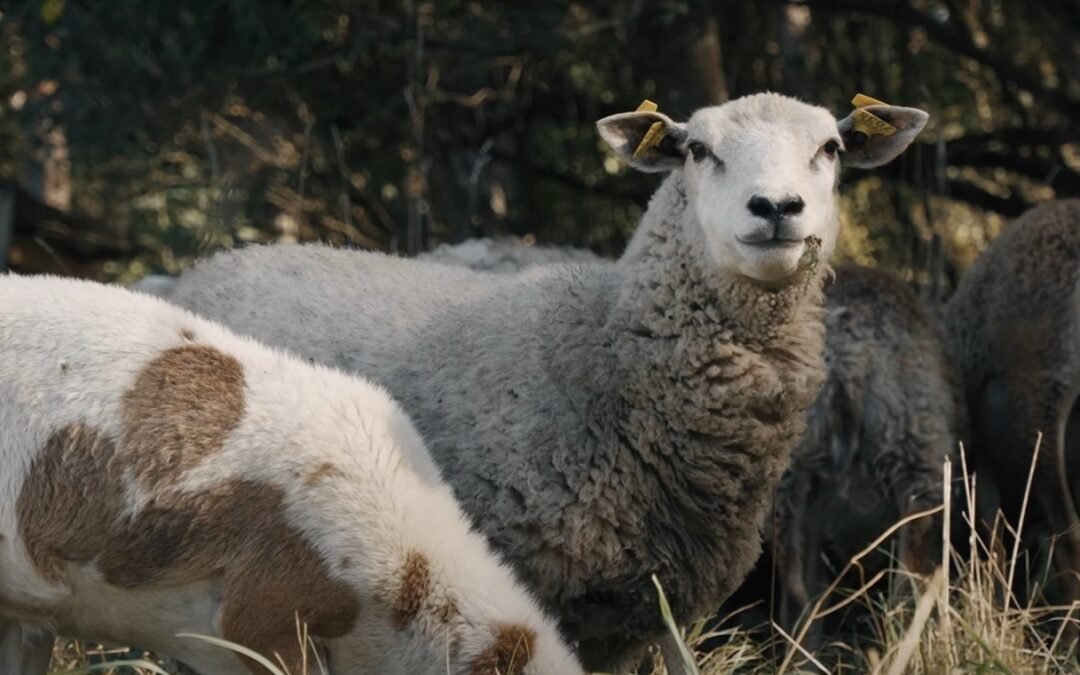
71, 235
955, 41
909, 174
571, 181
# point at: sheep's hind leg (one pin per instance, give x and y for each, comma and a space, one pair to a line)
1051, 494
24, 650
1065, 521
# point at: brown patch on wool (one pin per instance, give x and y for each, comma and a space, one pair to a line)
187, 334
509, 654
322, 472
182, 407
269, 572
236, 532
71, 510
67, 502
262, 597
413, 591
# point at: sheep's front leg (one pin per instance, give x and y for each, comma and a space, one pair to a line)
24, 650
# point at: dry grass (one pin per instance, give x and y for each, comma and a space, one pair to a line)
965, 619
73, 656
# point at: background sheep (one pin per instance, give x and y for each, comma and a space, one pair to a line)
886, 419
505, 254
604, 422
1013, 324
160, 285
163, 476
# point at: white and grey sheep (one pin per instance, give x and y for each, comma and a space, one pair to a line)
1015, 326
877, 438
604, 422
163, 476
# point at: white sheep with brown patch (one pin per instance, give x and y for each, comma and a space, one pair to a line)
163, 476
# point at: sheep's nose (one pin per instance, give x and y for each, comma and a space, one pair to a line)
763, 207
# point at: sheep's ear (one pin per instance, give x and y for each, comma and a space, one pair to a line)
647, 141
875, 134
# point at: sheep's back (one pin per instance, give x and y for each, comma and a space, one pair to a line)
1015, 312
447, 342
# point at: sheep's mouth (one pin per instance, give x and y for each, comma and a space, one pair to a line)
771, 243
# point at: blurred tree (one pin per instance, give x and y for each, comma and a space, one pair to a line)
143, 134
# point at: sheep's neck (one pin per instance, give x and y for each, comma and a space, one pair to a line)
739, 365
708, 318
693, 387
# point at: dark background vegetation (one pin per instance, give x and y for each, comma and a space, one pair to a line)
135, 136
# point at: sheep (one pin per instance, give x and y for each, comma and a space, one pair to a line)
163, 476
1014, 324
505, 254
604, 422
877, 438
160, 285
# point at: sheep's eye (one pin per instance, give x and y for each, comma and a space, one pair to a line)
698, 150
830, 148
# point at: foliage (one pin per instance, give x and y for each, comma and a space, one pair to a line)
175, 128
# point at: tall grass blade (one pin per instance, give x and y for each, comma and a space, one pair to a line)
239, 649
687, 657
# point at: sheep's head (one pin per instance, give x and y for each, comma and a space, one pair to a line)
760, 173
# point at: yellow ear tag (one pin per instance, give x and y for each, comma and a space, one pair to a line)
862, 100
866, 121
655, 133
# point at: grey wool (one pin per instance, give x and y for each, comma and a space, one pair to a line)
1013, 323
888, 416
602, 422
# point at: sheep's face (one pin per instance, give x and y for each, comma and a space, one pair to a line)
760, 174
